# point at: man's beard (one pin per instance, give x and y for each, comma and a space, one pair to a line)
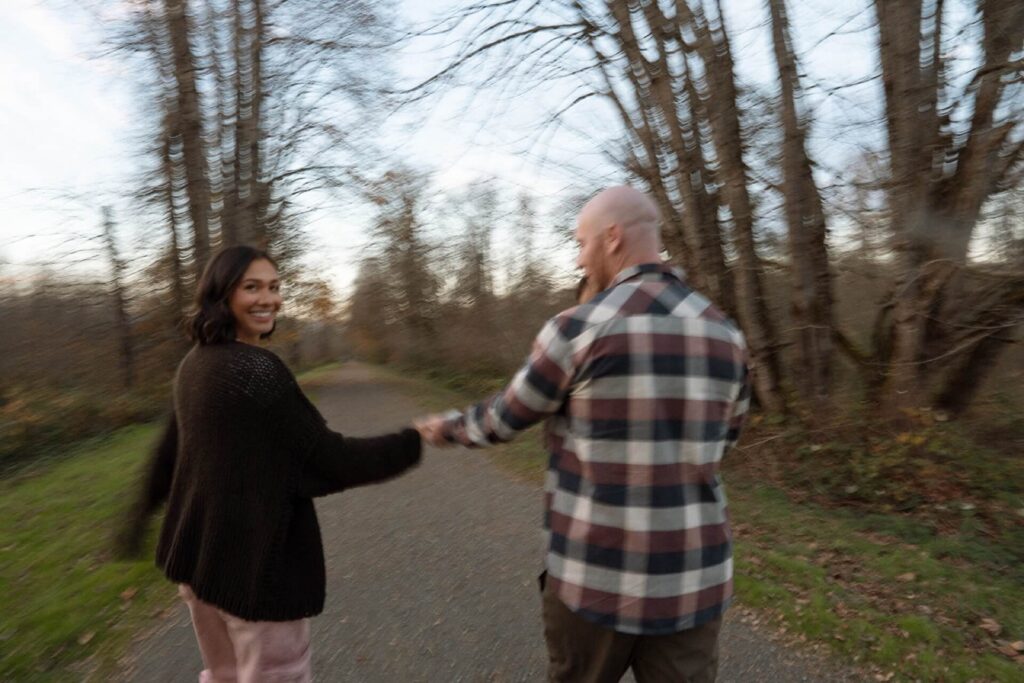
602, 277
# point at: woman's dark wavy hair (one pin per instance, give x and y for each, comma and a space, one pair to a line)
212, 322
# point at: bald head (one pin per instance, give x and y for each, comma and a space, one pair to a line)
630, 208
617, 229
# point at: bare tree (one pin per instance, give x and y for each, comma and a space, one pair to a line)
404, 251
190, 121
478, 208
941, 173
270, 100
805, 217
720, 96
638, 55
667, 152
370, 327
120, 300
530, 277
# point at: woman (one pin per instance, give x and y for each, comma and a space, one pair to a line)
240, 461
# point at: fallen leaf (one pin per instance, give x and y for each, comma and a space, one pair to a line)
905, 578
1018, 646
85, 637
1008, 650
991, 626
129, 593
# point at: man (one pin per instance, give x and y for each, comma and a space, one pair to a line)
645, 387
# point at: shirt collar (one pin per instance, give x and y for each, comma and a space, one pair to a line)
648, 271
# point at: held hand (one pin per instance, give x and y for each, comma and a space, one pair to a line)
431, 430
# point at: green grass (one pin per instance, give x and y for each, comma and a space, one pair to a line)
69, 610
883, 590
875, 599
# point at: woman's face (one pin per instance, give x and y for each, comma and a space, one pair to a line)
256, 301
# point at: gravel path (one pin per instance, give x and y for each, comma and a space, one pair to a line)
432, 577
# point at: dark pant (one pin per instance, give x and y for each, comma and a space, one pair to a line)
580, 651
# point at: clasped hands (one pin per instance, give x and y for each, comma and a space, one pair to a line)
431, 429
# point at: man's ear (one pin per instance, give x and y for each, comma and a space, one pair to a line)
613, 238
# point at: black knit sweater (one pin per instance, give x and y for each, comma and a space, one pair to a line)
240, 460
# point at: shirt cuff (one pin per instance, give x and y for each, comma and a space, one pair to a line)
454, 424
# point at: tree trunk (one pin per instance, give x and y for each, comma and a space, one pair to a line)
222, 180
178, 297
968, 373
670, 122
989, 329
191, 120
679, 107
724, 121
170, 171
248, 42
643, 162
811, 277
899, 24
707, 226
124, 328
242, 167
257, 199
932, 211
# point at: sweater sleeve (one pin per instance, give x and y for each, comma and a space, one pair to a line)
155, 488
331, 462
340, 462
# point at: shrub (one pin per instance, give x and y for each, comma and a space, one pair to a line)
43, 422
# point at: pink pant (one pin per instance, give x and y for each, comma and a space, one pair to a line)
248, 651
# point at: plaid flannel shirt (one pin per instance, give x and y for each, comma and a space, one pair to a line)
646, 388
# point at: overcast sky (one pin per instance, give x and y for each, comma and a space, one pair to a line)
69, 125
